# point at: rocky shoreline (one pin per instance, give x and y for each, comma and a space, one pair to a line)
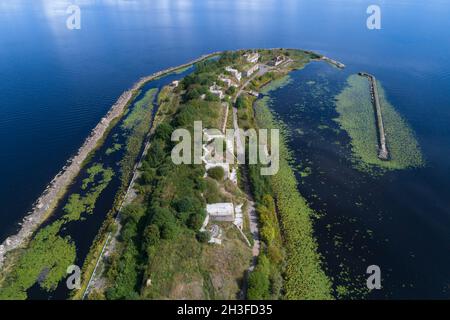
52, 193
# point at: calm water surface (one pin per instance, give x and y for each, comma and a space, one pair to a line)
55, 85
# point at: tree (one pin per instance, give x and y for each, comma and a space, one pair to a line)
258, 281
231, 90
203, 236
192, 94
241, 102
163, 131
156, 153
187, 204
148, 175
165, 220
133, 213
209, 96
151, 235
196, 221
216, 173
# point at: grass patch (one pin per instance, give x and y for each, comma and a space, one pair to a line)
184, 268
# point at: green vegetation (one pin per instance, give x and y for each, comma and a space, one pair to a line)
44, 261
266, 281
212, 193
276, 84
137, 124
356, 116
123, 270
244, 104
135, 127
114, 148
139, 110
47, 256
78, 204
216, 173
162, 255
304, 277
186, 268
258, 281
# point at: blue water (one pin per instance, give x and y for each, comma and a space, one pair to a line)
364, 219
55, 83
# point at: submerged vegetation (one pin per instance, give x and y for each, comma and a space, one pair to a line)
44, 261
356, 116
136, 126
276, 84
78, 204
304, 276
48, 255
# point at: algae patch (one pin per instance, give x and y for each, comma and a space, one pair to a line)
276, 84
356, 117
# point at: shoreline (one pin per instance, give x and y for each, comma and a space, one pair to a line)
42, 208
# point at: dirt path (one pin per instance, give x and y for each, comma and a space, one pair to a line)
251, 212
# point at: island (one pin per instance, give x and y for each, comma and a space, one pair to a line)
140, 226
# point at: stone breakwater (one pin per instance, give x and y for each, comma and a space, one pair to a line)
43, 206
383, 152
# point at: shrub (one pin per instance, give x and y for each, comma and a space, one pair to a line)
163, 131
211, 97
216, 173
132, 213
258, 281
241, 102
151, 235
212, 193
203, 236
231, 90
165, 220
196, 220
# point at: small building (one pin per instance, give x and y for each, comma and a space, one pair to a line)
279, 60
221, 211
233, 176
234, 72
239, 217
215, 89
251, 70
227, 81
175, 83
252, 57
253, 93
216, 234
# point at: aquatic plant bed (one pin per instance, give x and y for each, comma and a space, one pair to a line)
356, 116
